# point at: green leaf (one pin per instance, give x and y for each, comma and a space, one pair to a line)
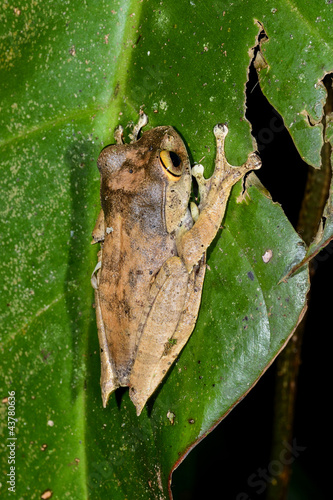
298, 55
69, 74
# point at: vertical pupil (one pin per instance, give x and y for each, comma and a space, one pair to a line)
174, 158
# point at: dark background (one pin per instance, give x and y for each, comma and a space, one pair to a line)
227, 463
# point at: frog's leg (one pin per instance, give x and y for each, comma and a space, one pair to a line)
109, 380
214, 194
174, 304
99, 229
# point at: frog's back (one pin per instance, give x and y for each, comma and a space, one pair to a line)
134, 251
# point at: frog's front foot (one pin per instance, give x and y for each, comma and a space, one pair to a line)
226, 175
203, 184
253, 162
220, 130
142, 122
118, 134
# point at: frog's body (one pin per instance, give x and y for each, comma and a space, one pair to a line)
151, 266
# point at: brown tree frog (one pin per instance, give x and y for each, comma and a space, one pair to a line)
151, 266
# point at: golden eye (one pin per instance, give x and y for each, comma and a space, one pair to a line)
171, 162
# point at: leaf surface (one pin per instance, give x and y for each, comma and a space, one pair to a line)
69, 74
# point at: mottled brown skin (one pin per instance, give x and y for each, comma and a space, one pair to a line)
148, 282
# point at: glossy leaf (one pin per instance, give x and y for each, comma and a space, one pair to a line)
69, 73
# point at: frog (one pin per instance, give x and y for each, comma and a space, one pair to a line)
151, 266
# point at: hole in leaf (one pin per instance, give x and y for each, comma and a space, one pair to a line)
283, 171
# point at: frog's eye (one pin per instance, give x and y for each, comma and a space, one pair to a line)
171, 162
